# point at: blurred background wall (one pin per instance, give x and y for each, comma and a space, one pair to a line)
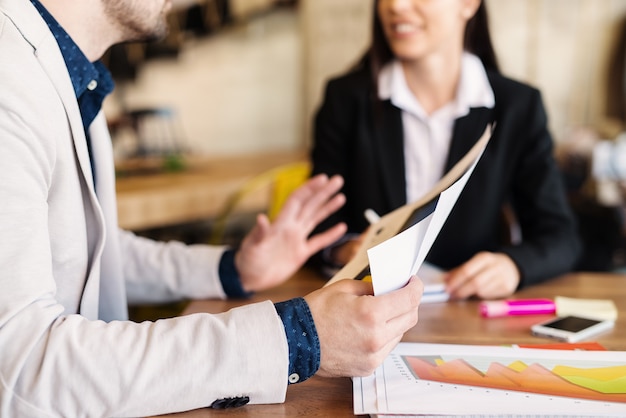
254, 83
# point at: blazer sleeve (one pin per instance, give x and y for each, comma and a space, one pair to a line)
56, 363
165, 271
550, 243
66, 365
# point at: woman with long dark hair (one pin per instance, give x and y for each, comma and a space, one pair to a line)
417, 102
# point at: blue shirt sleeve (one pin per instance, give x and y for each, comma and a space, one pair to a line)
229, 276
302, 339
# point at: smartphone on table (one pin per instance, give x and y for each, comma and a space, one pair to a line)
571, 329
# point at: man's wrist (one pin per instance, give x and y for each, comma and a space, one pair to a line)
229, 276
302, 339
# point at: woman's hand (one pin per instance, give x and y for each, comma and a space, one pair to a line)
486, 275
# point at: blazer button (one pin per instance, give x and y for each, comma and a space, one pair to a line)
230, 402
240, 401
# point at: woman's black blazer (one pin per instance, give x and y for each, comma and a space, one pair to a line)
362, 140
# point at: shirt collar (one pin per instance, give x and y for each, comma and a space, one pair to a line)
474, 89
84, 74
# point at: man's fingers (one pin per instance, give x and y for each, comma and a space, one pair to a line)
322, 212
325, 201
260, 229
398, 325
379, 357
324, 239
292, 205
400, 301
306, 201
355, 287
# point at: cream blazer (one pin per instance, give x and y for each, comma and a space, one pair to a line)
67, 271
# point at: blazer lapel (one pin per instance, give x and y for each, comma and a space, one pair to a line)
58, 74
389, 146
467, 131
46, 51
55, 67
112, 286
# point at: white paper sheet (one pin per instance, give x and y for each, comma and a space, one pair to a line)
443, 194
394, 261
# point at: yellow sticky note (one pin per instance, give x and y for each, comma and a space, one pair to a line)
591, 308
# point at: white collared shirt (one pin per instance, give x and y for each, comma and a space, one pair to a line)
427, 137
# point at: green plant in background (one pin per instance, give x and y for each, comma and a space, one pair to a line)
174, 163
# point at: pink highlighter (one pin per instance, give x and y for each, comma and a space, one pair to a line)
498, 308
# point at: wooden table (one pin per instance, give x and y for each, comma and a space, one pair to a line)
446, 323
155, 199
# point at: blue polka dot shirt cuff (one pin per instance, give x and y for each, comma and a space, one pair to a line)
302, 339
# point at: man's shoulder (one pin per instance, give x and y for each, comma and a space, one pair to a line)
25, 77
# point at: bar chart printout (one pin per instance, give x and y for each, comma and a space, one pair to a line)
457, 379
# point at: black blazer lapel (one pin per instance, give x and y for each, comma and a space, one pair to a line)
389, 145
467, 131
